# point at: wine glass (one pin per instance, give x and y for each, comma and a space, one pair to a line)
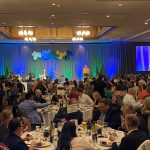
59, 126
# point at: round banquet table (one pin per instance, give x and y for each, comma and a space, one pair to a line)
48, 116
97, 145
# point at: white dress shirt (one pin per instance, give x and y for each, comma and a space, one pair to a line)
130, 100
81, 143
85, 99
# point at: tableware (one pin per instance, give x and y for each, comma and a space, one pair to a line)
60, 125
94, 137
84, 126
43, 144
46, 133
105, 142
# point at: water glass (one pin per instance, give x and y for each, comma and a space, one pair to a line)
59, 126
37, 128
42, 126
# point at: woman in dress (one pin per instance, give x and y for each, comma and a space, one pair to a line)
68, 139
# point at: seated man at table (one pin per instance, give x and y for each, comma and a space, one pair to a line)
13, 139
38, 96
129, 109
107, 114
134, 136
29, 108
83, 98
63, 116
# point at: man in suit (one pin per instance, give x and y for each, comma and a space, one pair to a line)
62, 116
107, 114
129, 109
134, 136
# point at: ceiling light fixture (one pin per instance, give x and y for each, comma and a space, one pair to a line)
120, 5
58, 5
108, 16
77, 39
25, 33
146, 23
30, 39
53, 15
83, 33
53, 4
52, 23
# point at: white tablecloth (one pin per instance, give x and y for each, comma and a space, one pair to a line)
87, 114
48, 117
96, 145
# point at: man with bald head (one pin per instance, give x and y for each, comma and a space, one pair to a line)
129, 99
38, 96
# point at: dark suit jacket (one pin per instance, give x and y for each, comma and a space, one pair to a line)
112, 117
62, 114
14, 142
133, 140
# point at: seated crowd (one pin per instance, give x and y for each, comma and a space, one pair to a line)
122, 103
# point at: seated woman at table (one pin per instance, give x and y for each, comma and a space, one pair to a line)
73, 95
5, 117
13, 139
68, 139
29, 108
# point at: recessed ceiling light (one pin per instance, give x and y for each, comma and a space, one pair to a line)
52, 23
58, 5
53, 15
120, 4
53, 4
146, 23
108, 16
3, 23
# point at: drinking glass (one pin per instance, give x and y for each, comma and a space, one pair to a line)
84, 125
59, 126
42, 126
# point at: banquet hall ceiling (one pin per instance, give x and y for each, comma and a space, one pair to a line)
128, 16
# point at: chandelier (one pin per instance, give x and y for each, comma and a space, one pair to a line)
83, 33
25, 33
77, 39
30, 39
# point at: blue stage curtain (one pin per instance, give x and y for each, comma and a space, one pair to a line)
110, 58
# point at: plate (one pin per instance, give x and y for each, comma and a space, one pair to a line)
44, 144
28, 142
105, 142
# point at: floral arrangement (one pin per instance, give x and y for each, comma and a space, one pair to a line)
52, 55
